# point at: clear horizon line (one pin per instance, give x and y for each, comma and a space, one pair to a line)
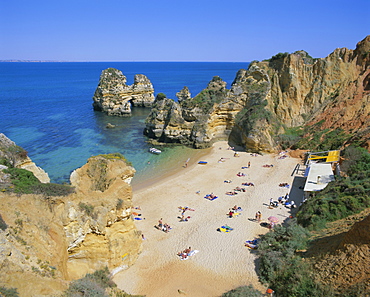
113, 61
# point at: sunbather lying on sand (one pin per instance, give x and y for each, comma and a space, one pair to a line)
248, 184
268, 165
239, 189
185, 253
231, 193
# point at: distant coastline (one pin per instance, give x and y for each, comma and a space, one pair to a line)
33, 61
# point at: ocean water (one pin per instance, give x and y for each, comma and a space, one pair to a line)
46, 108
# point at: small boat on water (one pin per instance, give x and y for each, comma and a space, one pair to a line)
153, 150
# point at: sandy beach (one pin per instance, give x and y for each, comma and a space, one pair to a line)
223, 262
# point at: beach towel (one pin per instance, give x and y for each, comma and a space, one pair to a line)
210, 198
225, 229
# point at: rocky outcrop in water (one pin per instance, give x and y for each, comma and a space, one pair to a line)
288, 90
192, 121
114, 97
47, 241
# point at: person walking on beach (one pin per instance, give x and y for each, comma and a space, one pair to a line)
258, 216
249, 164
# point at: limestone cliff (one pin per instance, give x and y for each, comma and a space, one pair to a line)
288, 90
114, 97
192, 121
48, 241
18, 158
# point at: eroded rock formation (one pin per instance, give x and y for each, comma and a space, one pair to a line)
47, 241
288, 90
18, 158
114, 97
192, 121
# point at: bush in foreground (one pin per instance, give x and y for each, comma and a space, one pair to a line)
96, 284
244, 291
8, 292
282, 268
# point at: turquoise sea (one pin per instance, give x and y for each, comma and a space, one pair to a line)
46, 108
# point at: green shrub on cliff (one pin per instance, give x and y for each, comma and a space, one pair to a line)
343, 197
244, 291
312, 137
25, 182
91, 285
116, 156
278, 56
94, 285
160, 96
256, 110
8, 292
205, 100
282, 268
3, 225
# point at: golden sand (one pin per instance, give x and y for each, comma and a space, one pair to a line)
223, 262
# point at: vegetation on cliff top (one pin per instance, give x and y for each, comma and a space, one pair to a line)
345, 196
313, 137
207, 98
8, 292
115, 156
256, 110
25, 182
97, 284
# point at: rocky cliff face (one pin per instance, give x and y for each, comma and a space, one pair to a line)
341, 258
288, 90
47, 241
193, 121
114, 97
18, 158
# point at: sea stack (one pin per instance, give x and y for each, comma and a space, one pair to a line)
114, 97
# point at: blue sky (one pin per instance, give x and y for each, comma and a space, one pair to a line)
192, 30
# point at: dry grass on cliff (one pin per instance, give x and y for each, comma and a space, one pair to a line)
340, 254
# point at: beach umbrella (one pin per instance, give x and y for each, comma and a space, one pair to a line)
273, 219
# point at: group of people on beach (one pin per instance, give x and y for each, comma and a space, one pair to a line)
235, 210
163, 226
183, 209
184, 254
